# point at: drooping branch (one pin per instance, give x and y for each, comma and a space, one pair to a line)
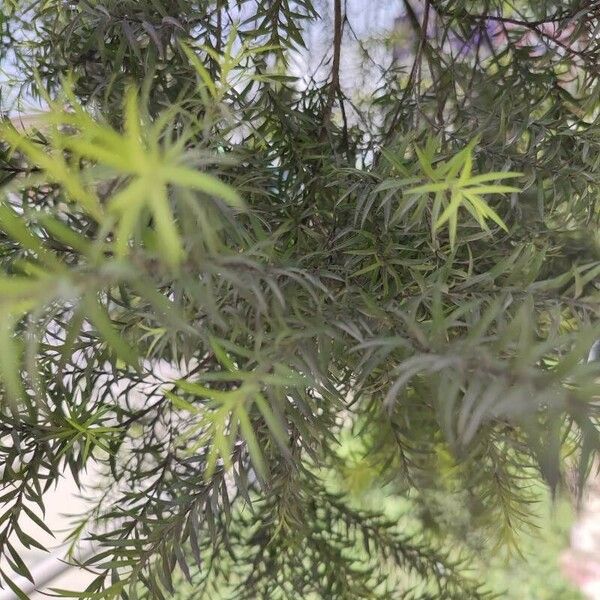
535, 26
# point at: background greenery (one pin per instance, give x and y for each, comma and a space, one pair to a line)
536, 576
532, 573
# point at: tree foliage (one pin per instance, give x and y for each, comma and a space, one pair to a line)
221, 255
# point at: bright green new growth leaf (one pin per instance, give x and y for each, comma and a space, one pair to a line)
142, 154
10, 356
228, 411
57, 170
455, 187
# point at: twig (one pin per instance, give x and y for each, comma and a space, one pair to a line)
334, 84
533, 26
422, 29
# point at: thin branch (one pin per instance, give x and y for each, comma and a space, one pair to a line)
421, 28
554, 18
533, 26
338, 27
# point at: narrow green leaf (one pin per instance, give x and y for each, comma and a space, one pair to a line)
252, 443
102, 321
166, 229
203, 182
180, 403
13, 586
10, 360
430, 187
221, 355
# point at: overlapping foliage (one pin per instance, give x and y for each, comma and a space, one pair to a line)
214, 266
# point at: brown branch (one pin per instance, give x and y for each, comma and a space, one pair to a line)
219, 27
533, 26
560, 15
334, 85
337, 45
421, 29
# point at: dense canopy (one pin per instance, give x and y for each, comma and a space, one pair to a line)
260, 256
